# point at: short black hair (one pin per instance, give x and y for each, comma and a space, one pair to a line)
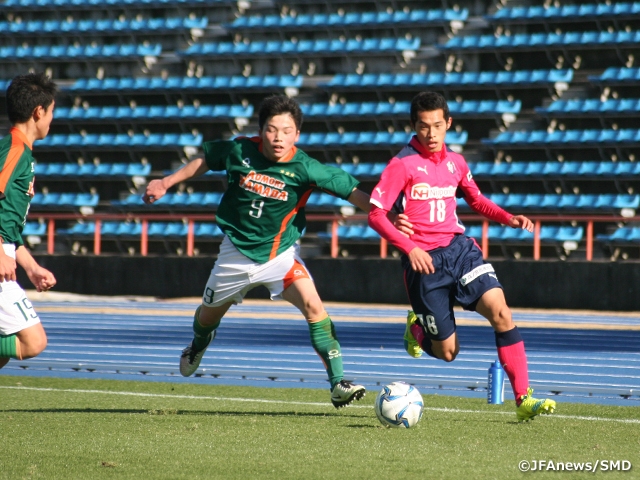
428, 102
279, 105
26, 93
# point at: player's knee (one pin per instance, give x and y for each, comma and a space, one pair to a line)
502, 317
35, 346
449, 356
314, 309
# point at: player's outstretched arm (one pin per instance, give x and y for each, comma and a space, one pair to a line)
157, 188
41, 278
360, 200
520, 221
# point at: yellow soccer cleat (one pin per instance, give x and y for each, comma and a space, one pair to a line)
530, 407
410, 343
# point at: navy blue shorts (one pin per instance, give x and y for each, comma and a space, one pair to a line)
461, 275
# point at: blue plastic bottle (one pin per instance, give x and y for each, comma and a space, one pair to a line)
495, 387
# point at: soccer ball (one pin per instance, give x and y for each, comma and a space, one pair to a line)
399, 405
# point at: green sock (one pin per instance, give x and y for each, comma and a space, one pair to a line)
8, 346
325, 343
200, 332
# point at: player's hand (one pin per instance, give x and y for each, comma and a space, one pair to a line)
520, 221
7, 268
42, 278
155, 191
421, 261
401, 222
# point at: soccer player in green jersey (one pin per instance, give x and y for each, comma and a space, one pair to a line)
262, 217
30, 102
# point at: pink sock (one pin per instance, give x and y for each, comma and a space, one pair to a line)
418, 333
514, 361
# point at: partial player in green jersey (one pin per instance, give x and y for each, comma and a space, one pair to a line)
262, 216
30, 103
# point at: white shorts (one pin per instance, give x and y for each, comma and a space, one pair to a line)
234, 274
16, 311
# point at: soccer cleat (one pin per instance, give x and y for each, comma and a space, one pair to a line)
530, 407
344, 392
190, 358
410, 342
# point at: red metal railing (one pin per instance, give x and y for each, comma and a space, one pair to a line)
144, 219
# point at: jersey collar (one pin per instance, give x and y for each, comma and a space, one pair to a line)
21, 136
435, 157
292, 153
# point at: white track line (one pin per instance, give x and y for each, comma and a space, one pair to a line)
311, 404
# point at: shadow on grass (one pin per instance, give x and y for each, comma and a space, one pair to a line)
169, 411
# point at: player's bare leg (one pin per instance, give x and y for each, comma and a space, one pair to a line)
205, 321
31, 341
446, 349
493, 306
303, 294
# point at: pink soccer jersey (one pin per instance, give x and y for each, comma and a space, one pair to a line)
428, 183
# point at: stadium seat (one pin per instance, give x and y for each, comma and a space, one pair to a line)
474, 80
578, 12
566, 138
540, 41
350, 19
307, 47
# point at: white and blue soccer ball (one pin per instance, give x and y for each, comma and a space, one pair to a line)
399, 405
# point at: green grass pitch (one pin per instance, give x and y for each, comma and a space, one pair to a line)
92, 429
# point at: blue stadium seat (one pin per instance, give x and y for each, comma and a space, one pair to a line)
541, 41
318, 46
351, 19
416, 81
565, 138
617, 76
120, 141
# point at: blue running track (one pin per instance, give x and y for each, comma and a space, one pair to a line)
577, 357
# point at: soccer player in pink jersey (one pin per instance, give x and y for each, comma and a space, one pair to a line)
441, 264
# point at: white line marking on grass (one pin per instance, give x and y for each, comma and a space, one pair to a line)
310, 404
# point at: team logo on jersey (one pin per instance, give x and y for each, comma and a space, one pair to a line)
264, 185
423, 169
246, 162
423, 191
451, 167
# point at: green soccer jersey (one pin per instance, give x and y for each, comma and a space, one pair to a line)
16, 185
262, 211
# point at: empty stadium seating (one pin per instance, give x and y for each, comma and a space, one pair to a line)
203, 64
55, 201
97, 4
624, 235
325, 47
551, 202
91, 170
592, 107
134, 229
548, 234
143, 85
97, 27
566, 138
542, 41
368, 140
554, 169
349, 19
472, 80
468, 108
577, 12
617, 76
151, 113
119, 141
65, 53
